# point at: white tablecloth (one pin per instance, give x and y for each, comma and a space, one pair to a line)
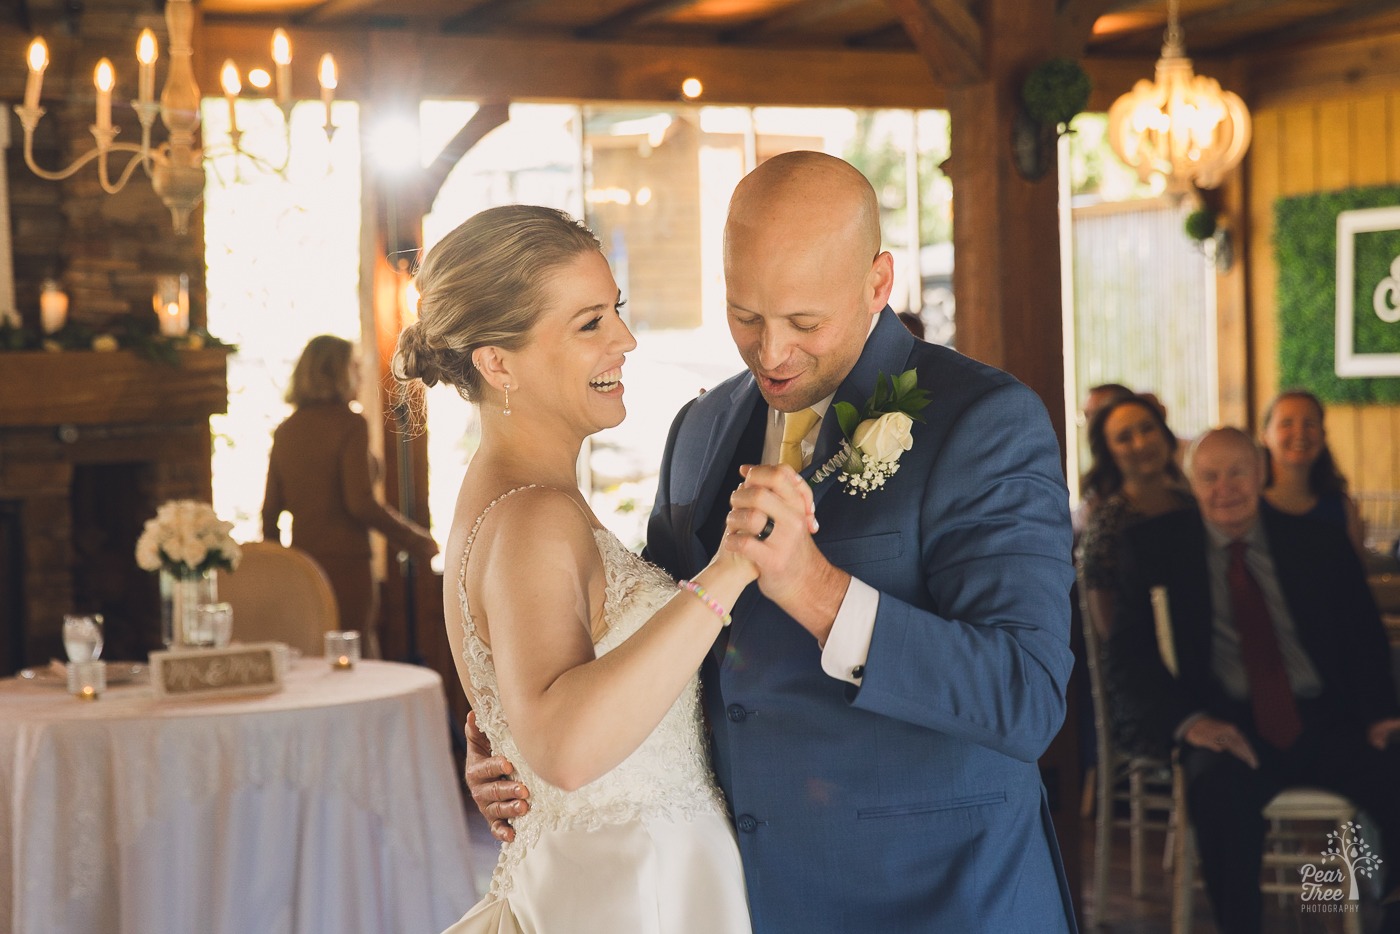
329, 807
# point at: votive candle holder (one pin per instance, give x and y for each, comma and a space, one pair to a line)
87, 680
342, 649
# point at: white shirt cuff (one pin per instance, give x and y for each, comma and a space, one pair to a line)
848, 644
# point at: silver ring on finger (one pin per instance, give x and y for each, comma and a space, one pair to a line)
767, 530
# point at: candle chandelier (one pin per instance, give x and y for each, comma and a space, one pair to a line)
1181, 125
176, 167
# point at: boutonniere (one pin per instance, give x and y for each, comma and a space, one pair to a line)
874, 440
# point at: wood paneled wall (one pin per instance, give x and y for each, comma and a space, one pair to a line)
1305, 147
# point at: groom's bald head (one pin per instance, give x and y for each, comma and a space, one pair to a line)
803, 274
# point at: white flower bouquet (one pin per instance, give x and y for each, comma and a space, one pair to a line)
187, 538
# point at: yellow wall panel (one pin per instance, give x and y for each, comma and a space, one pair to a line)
1375, 442
1264, 166
1303, 148
1335, 146
1342, 434
1371, 129
1298, 149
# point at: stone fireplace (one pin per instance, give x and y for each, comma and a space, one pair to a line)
90, 444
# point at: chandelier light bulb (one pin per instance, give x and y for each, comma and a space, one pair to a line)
228, 77
38, 55
146, 50
104, 77
281, 47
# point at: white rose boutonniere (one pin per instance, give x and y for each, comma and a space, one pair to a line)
877, 438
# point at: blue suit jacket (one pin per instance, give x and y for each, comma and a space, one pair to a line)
914, 802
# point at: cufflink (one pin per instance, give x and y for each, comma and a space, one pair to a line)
858, 672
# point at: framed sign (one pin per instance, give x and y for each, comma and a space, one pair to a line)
255, 668
1368, 292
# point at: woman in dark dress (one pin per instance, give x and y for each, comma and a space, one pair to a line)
1303, 478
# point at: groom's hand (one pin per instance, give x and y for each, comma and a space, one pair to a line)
792, 571
497, 797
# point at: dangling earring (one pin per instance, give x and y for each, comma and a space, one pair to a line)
507, 408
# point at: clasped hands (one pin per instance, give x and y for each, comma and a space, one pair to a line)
791, 572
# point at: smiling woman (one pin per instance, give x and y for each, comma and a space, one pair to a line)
580, 659
1302, 478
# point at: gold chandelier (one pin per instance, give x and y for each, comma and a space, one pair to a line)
1181, 125
175, 167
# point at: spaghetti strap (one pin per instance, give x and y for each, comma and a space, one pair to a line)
476, 527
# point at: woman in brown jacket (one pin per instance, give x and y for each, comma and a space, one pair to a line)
321, 471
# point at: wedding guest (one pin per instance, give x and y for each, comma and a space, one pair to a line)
1132, 476
1095, 399
322, 472
1270, 669
1303, 479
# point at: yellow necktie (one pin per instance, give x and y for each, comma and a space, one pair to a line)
796, 426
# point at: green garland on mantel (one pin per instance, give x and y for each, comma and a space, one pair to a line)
1305, 246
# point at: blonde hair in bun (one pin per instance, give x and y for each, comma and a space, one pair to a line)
482, 286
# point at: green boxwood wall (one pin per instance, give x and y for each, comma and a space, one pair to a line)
1305, 245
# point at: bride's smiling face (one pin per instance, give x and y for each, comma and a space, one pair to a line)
572, 367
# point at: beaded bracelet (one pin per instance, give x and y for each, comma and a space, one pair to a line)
724, 618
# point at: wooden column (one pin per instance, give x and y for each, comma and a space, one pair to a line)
1006, 273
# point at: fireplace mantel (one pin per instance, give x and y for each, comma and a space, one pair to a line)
86, 387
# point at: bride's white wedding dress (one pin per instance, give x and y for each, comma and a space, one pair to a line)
646, 848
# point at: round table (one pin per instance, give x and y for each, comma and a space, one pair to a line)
331, 806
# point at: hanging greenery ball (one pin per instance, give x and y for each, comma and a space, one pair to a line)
1200, 225
1055, 91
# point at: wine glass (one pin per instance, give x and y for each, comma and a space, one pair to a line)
82, 637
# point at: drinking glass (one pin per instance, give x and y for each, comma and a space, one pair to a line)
213, 625
82, 637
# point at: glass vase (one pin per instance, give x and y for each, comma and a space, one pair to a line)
180, 597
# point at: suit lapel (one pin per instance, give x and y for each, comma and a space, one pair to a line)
886, 351
725, 434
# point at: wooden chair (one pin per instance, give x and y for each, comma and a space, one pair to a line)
1286, 847
280, 594
1142, 782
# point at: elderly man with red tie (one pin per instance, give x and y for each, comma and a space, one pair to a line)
1276, 670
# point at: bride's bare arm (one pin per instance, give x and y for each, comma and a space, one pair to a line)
538, 585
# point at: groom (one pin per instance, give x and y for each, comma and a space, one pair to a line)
879, 704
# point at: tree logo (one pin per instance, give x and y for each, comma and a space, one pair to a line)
1347, 859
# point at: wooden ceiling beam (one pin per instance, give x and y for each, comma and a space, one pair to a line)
881, 37
611, 26
486, 16
1306, 27
507, 68
1074, 22
331, 10
1190, 23
948, 37
797, 15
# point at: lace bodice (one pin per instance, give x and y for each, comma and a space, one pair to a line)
667, 775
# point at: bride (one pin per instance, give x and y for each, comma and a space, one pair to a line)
579, 658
